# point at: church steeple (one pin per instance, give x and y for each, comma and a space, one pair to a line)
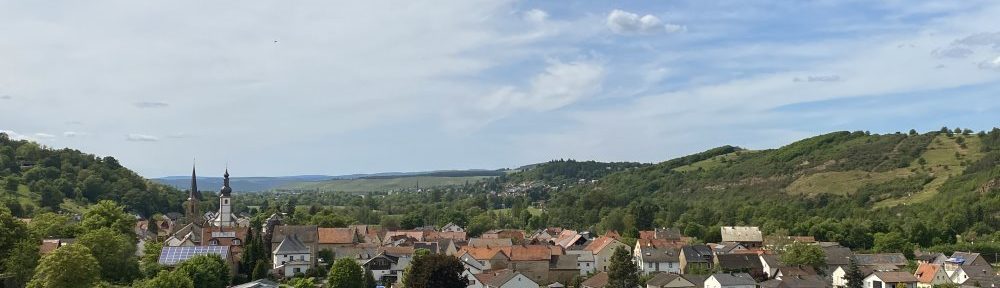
193, 194
192, 209
226, 190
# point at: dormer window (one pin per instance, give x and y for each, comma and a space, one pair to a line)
214, 242
236, 241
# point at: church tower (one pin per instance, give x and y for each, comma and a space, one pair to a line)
225, 215
192, 210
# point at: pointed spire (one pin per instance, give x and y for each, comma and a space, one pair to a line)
194, 183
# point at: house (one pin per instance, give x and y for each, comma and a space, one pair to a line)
488, 258
547, 235
490, 242
883, 261
749, 237
387, 268
930, 275
291, 257
502, 279
602, 248
308, 234
808, 281
839, 275
452, 227
515, 235
966, 259
653, 259
668, 234
333, 238
231, 236
189, 235
541, 263
837, 256
669, 280
770, 263
929, 257
696, 258
599, 280
262, 283
794, 271
981, 276
728, 248
890, 279
584, 261
570, 238
733, 280
171, 256
740, 263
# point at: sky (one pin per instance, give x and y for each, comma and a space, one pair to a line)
274, 88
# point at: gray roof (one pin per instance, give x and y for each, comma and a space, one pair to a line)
740, 262
308, 234
838, 255
697, 280
741, 234
895, 276
661, 279
810, 281
697, 253
965, 258
291, 245
896, 259
659, 255
483, 242
667, 233
262, 283
734, 279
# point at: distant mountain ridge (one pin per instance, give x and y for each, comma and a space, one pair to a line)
258, 184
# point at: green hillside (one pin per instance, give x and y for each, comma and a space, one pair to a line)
842, 186
38, 179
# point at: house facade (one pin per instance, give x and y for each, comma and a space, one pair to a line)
291, 257
890, 279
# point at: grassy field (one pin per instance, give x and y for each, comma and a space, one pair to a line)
712, 163
841, 183
941, 164
379, 185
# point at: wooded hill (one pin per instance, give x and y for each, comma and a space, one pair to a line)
853, 187
36, 179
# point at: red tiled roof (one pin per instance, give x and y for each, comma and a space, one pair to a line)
599, 244
482, 253
528, 252
336, 236
599, 280
926, 271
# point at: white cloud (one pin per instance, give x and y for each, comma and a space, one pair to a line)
536, 15
952, 52
72, 134
994, 64
623, 22
141, 138
818, 78
44, 136
150, 104
559, 85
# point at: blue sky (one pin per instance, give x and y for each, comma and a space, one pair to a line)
319, 87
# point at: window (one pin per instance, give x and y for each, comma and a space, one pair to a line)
296, 270
214, 242
649, 265
236, 241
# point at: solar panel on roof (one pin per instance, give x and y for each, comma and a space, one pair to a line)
170, 256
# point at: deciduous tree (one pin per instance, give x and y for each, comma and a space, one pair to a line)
435, 270
622, 273
70, 266
346, 273
206, 271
